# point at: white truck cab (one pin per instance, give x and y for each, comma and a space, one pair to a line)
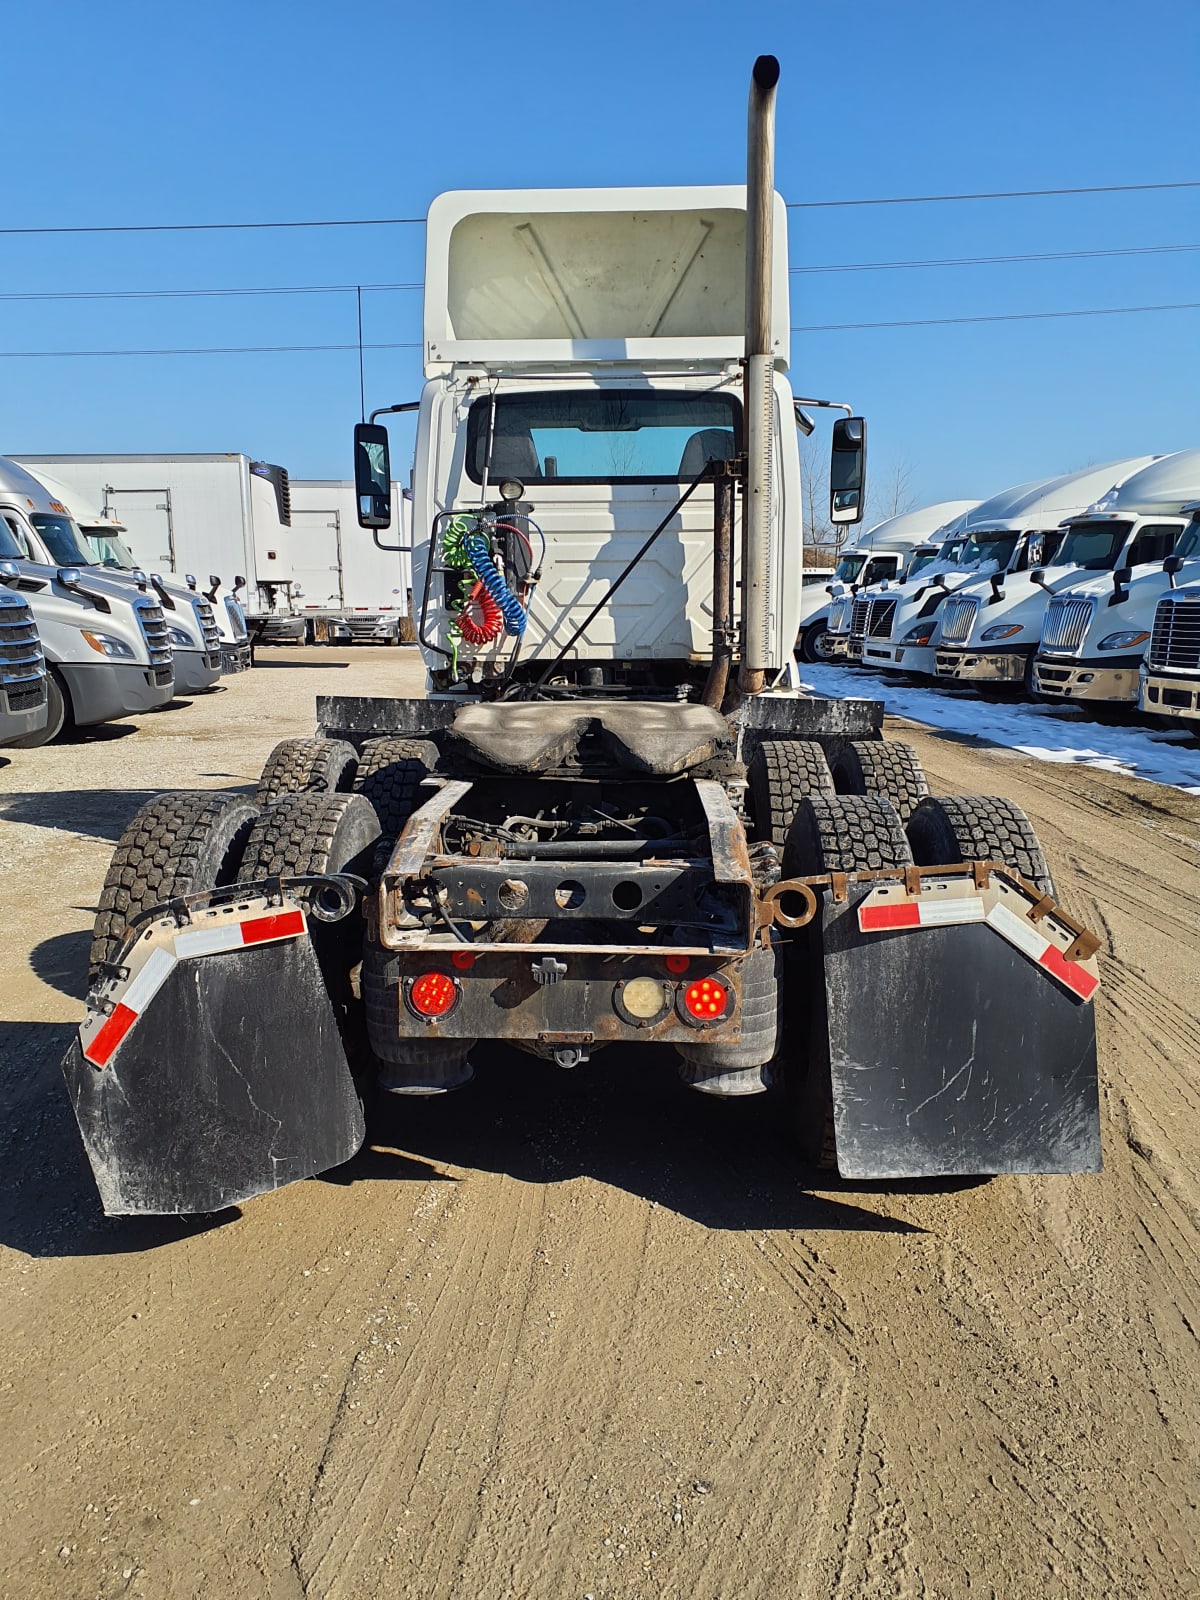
1169, 678
539, 396
889, 551
191, 623
989, 631
106, 645
24, 707
1095, 629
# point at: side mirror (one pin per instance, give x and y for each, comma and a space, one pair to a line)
1120, 579
139, 577
10, 573
1038, 576
835, 589
847, 470
190, 579
803, 421
238, 583
372, 475
997, 583
1171, 566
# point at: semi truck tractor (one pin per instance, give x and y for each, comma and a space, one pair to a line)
226, 515
106, 644
24, 707
192, 629
990, 633
1096, 627
604, 824
888, 552
1004, 537
1169, 678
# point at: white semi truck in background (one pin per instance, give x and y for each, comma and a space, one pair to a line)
1095, 629
191, 620
24, 705
990, 631
1169, 680
889, 552
225, 519
107, 648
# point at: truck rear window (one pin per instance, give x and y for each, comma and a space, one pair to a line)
602, 436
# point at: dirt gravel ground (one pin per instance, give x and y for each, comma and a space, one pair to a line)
584, 1334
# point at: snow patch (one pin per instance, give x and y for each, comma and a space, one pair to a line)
1047, 732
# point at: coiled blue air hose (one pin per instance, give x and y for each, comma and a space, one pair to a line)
475, 548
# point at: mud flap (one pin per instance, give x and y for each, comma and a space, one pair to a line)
231, 1081
951, 1052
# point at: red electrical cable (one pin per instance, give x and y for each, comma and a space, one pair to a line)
481, 619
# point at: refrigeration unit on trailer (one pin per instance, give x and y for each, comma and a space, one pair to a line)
889, 552
192, 629
225, 519
106, 646
349, 588
988, 630
1097, 623
603, 825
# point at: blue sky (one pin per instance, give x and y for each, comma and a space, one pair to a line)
133, 113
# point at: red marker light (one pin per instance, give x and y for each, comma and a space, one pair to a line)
706, 999
464, 960
678, 964
433, 994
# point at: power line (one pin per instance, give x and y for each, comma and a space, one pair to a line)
996, 194
204, 294
384, 288
1012, 316
819, 327
202, 350
988, 261
792, 205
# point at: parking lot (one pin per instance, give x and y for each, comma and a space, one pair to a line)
577, 1334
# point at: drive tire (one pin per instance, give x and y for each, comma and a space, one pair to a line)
782, 773
307, 766
60, 721
944, 832
840, 833
390, 775
182, 842
881, 767
845, 833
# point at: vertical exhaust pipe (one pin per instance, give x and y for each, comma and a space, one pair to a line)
757, 642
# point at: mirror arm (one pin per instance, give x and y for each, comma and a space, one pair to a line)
390, 548
383, 411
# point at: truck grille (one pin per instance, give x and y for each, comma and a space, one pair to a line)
879, 620
154, 631
958, 618
859, 613
1175, 639
208, 625
26, 697
237, 617
839, 616
1065, 623
21, 662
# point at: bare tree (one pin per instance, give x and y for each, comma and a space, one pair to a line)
895, 495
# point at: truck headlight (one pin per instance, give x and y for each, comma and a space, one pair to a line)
179, 639
105, 645
1123, 641
921, 634
1001, 630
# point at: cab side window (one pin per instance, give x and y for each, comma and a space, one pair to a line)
1153, 543
877, 570
18, 533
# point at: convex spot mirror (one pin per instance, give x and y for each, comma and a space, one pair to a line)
372, 476
848, 470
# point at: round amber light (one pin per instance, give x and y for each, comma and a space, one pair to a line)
705, 999
433, 994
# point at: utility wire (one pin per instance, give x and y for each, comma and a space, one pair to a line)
792, 205
1012, 316
819, 327
382, 288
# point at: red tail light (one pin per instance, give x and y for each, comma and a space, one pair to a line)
706, 999
433, 994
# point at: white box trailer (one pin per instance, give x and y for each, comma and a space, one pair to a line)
346, 585
227, 516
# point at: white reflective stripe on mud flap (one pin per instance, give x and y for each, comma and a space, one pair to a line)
1018, 931
208, 941
149, 980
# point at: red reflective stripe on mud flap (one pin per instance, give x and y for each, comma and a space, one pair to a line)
283, 925
1077, 978
877, 919
103, 1047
